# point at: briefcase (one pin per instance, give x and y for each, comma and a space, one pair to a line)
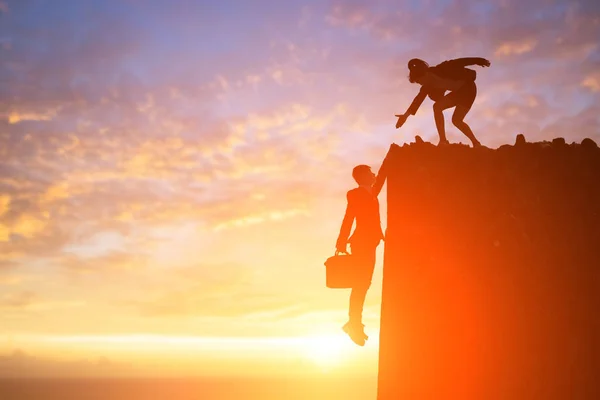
340, 271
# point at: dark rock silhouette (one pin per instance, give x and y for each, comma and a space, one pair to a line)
589, 143
520, 140
491, 279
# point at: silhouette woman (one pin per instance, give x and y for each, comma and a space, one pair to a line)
453, 76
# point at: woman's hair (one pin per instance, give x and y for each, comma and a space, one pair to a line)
417, 68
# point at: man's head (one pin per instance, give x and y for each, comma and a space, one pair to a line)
363, 175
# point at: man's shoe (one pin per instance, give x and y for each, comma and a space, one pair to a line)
356, 332
444, 142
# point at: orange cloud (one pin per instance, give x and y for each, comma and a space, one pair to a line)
25, 301
107, 263
517, 47
4, 203
352, 16
57, 191
25, 224
274, 215
592, 82
15, 117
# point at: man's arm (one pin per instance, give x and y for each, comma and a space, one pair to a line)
380, 180
465, 62
346, 224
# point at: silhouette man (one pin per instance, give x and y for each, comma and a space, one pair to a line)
453, 76
364, 207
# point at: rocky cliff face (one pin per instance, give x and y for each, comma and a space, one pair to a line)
491, 282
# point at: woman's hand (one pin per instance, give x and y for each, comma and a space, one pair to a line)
401, 120
484, 63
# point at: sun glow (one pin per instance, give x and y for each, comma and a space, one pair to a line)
323, 350
171, 355
326, 350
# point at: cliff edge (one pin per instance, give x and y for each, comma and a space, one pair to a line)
491, 279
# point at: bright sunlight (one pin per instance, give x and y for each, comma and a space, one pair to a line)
326, 351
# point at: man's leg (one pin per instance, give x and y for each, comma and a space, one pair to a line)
365, 264
458, 120
357, 301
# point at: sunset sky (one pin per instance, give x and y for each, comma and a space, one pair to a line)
173, 173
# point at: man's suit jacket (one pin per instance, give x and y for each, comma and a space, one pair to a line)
364, 207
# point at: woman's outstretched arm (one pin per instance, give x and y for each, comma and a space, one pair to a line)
412, 109
465, 62
416, 103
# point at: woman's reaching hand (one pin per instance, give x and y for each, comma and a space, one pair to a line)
401, 120
484, 63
